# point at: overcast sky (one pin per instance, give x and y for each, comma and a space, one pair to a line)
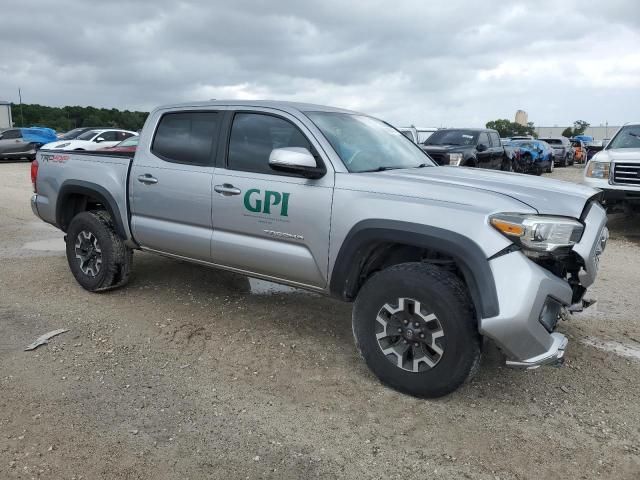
436, 63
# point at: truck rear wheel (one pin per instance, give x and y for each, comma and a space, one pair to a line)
413, 325
97, 256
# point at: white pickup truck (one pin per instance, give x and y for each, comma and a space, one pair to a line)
616, 169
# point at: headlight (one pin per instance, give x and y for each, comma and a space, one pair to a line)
598, 169
455, 159
62, 145
538, 232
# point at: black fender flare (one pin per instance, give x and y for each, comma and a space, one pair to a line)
467, 254
95, 191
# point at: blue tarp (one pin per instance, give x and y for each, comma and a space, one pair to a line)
38, 135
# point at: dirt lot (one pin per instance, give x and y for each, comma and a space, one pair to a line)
196, 373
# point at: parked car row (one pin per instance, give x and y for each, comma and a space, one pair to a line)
483, 148
23, 143
92, 139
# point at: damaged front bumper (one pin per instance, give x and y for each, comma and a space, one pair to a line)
532, 299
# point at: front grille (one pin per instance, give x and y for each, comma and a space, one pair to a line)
626, 173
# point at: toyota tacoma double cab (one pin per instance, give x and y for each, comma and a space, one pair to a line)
337, 202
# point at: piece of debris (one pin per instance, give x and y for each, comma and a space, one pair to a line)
44, 339
565, 389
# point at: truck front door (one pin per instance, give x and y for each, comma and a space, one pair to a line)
170, 184
268, 222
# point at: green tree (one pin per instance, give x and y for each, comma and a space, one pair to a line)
63, 119
579, 127
507, 128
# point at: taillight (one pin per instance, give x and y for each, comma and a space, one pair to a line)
34, 174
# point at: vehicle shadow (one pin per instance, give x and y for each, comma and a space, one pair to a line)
279, 308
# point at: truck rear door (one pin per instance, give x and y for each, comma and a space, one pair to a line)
268, 222
170, 183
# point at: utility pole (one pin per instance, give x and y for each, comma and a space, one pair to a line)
21, 113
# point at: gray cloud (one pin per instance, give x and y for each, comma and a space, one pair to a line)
427, 63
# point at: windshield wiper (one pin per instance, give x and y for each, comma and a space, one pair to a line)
379, 169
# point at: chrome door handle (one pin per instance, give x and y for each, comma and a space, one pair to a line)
147, 178
227, 189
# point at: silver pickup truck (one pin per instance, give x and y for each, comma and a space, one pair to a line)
340, 203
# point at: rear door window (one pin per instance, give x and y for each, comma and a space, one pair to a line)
187, 137
495, 140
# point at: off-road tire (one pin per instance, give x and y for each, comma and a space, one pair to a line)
507, 165
440, 292
116, 257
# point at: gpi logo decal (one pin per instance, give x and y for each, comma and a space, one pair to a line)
256, 202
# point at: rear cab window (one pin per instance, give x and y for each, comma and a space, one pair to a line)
187, 137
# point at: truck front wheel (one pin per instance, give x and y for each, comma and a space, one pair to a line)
97, 256
413, 325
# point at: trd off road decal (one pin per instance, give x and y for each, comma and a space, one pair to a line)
257, 202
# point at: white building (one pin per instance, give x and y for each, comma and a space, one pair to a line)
597, 132
5, 115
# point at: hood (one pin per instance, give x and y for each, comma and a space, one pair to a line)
618, 155
546, 196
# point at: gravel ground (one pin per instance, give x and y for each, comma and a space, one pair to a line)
196, 373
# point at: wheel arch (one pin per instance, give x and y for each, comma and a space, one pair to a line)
367, 238
76, 196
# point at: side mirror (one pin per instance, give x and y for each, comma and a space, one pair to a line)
481, 147
296, 160
99, 139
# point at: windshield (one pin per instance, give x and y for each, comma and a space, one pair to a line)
452, 137
552, 141
87, 135
627, 137
70, 135
365, 144
129, 142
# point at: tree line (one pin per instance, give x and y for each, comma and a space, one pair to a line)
63, 119
507, 129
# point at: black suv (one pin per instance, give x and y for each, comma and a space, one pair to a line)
467, 147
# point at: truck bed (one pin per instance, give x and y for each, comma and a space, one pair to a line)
62, 173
